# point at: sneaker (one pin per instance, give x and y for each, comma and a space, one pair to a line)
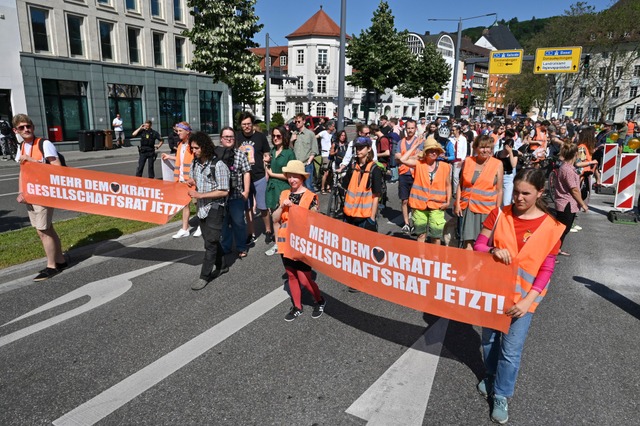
293, 314
406, 228
485, 387
412, 230
198, 232
199, 284
573, 229
318, 309
62, 266
215, 274
500, 412
46, 273
578, 227
181, 234
268, 237
251, 239
273, 250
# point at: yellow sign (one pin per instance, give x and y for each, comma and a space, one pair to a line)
506, 61
437, 97
552, 60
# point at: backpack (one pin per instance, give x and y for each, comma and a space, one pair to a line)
227, 156
5, 128
40, 141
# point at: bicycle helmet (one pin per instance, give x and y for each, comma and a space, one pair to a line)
443, 131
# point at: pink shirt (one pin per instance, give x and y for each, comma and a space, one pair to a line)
565, 179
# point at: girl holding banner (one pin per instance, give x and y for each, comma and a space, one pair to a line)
527, 233
298, 272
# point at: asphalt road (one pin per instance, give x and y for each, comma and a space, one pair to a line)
137, 346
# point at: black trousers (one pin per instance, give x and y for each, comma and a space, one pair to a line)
144, 157
566, 218
211, 228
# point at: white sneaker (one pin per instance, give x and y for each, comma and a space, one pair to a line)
578, 227
573, 230
181, 234
198, 232
273, 250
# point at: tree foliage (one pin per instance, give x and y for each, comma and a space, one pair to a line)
379, 56
428, 75
222, 35
526, 90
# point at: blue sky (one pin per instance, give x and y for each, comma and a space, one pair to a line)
282, 17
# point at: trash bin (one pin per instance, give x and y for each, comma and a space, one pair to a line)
98, 140
108, 139
55, 134
85, 140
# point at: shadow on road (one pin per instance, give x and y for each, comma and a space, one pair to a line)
622, 302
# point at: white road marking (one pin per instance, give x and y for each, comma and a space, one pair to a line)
118, 395
400, 395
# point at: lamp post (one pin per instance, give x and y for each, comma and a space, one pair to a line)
455, 64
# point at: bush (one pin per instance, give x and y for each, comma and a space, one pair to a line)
263, 126
277, 119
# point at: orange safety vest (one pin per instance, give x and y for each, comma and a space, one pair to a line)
533, 253
358, 201
36, 154
481, 197
305, 201
426, 194
403, 168
183, 163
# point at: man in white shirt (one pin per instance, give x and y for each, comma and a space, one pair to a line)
364, 131
325, 137
460, 147
119, 132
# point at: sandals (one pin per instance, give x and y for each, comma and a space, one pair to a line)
242, 254
564, 253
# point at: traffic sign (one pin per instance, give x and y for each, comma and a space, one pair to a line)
437, 97
506, 61
557, 60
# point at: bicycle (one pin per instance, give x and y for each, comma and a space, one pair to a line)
336, 196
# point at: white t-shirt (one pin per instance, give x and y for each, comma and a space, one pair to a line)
347, 156
325, 142
47, 146
117, 124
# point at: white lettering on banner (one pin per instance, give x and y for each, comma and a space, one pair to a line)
458, 296
96, 185
322, 236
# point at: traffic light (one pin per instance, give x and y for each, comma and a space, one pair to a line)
585, 64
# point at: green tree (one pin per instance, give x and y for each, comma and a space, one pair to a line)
380, 56
222, 35
428, 75
526, 90
277, 119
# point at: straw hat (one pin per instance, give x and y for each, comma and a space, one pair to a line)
295, 167
431, 143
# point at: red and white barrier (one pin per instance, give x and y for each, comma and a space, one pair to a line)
627, 182
609, 163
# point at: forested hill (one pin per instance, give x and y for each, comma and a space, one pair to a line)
522, 31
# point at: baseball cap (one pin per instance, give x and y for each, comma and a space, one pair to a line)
362, 141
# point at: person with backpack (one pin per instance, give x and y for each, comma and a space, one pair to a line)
38, 150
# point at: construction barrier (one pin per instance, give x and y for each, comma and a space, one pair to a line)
609, 164
627, 177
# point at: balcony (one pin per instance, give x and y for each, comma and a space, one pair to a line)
322, 68
329, 94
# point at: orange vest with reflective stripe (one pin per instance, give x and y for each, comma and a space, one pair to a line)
183, 163
533, 253
426, 194
305, 201
481, 196
403, 168
358, 201
36, 154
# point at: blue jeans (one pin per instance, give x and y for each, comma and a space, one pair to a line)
502, 354
309, 168
507, 188
234, 227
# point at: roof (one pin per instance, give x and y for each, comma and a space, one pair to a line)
320, 24
276, 52
501, 37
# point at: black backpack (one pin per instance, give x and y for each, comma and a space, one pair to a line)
5, 128
63, 162
227, 156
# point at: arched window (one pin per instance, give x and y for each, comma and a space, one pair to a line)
415, 43
445, 46
299, 108
321, 109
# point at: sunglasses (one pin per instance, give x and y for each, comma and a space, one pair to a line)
366, 133
24, 127
276, 136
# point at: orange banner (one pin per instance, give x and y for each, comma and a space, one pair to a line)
106, 194
448, 282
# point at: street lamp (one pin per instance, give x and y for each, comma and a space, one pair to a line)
455, 65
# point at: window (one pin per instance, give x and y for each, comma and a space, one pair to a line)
323, 55
636, 71
126, 100
598, 92
210, 111
283, 61
605, 55
299, 108
579, 112
321, 109
415, 43
74, 28
322, 85
180, 53
65, 104
633, 91
280, 84
177, 11
104, 2
615, 92
133, 37
602, 72
156, 9
568, 92
132, 5
39, 19
158, 59
594, 113
106, 28
300, 83
281, 107
611, 114
628, 114
172, 108
300, 56
618, 72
